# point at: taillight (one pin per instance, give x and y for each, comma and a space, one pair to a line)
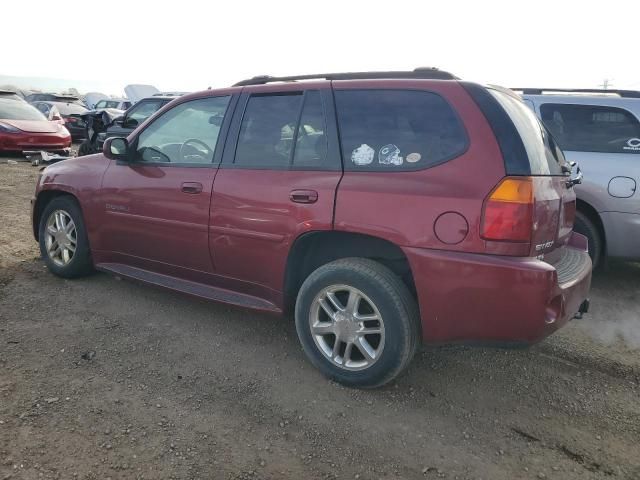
508, 211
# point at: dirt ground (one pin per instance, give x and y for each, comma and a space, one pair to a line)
102, 378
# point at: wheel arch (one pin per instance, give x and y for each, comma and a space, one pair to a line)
42, 200
314, 249
593, 215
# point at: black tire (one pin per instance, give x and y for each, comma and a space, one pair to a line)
80, 263
395, 304
586, 227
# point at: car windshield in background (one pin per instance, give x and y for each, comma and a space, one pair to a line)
12, 110
545, 158
107, 104
592, 128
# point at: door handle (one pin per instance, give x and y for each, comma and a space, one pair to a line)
303, 196
191, 187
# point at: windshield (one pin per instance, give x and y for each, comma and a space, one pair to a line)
12, 110
545, 157
108, 104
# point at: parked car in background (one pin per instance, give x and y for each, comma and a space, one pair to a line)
600, 130
138, 113
10, 94
70, 114
442, 212
53, 97
91, 98
113, 103
24, 127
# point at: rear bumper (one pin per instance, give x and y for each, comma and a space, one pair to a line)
495, 299
622, 233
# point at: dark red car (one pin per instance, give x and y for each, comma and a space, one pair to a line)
23, 127
384, 209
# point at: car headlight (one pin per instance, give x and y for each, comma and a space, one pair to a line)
6, 128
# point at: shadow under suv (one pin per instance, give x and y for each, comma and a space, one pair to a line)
384, 209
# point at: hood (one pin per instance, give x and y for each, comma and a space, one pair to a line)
33, 126
135, 93
92, 98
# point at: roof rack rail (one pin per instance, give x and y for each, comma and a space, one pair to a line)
541, 91
419, 73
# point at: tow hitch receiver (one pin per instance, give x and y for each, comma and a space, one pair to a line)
584, 308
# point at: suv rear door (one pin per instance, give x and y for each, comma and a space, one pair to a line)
278, 178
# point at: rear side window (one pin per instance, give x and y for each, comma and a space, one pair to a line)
395, 130
592, 128
283, 131
545, 158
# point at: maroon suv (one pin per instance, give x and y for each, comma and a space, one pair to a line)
384, 209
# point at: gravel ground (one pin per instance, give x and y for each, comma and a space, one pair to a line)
104, 378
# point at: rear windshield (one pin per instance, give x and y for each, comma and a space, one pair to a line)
70, 108
396, 130
12, 110
545, 157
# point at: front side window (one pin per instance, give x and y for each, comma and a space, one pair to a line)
283, 131
394, 130
187, 133
592, 128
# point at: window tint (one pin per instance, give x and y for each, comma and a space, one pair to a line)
266, 133
590, 128
545, 158
311, 141
397, 129
185, 134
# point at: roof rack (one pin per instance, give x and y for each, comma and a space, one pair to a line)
419, 73
541, 91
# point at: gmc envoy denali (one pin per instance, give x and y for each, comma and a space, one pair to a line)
384, 209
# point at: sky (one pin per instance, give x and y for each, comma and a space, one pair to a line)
190, 45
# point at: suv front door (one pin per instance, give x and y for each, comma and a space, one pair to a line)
277, 180
156, 206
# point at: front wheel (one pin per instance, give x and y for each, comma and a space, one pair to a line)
357, 322
64, 245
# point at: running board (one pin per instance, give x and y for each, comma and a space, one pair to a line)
191, 288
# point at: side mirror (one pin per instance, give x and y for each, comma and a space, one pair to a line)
119, 120
116, 148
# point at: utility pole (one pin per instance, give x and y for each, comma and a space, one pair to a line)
606, 83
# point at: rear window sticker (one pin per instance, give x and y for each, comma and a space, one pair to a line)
632, 144
389, 155
363, 155
413, 157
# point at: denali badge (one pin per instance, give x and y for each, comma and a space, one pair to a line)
116, 208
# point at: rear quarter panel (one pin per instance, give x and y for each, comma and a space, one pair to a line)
402, 207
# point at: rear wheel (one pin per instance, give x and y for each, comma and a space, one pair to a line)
357, 322
63, 239
585, 226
